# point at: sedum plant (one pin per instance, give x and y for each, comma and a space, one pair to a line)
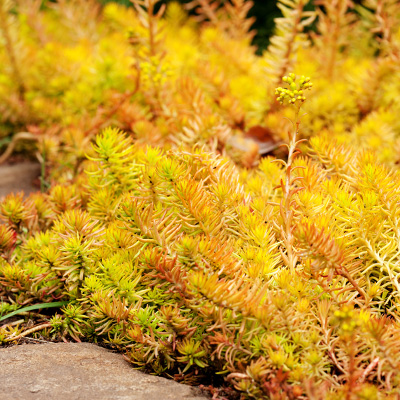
179, 263
193, 79
161, 232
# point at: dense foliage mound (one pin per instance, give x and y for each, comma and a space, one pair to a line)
160, 230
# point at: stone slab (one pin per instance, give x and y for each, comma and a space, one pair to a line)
80, 371
18, 177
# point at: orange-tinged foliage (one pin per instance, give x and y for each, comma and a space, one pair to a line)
160, 224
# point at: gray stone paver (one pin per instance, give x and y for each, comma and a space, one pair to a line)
18, 177
80, 371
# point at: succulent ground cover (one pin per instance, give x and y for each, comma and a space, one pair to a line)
171, 226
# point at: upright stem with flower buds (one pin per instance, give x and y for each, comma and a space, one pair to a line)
294, 95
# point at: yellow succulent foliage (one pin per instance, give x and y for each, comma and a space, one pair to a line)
173, 226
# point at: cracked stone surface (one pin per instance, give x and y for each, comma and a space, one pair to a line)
18, 177
80, 371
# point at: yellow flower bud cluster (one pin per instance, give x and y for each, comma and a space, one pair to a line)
347, 319
154, 71
295, 92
